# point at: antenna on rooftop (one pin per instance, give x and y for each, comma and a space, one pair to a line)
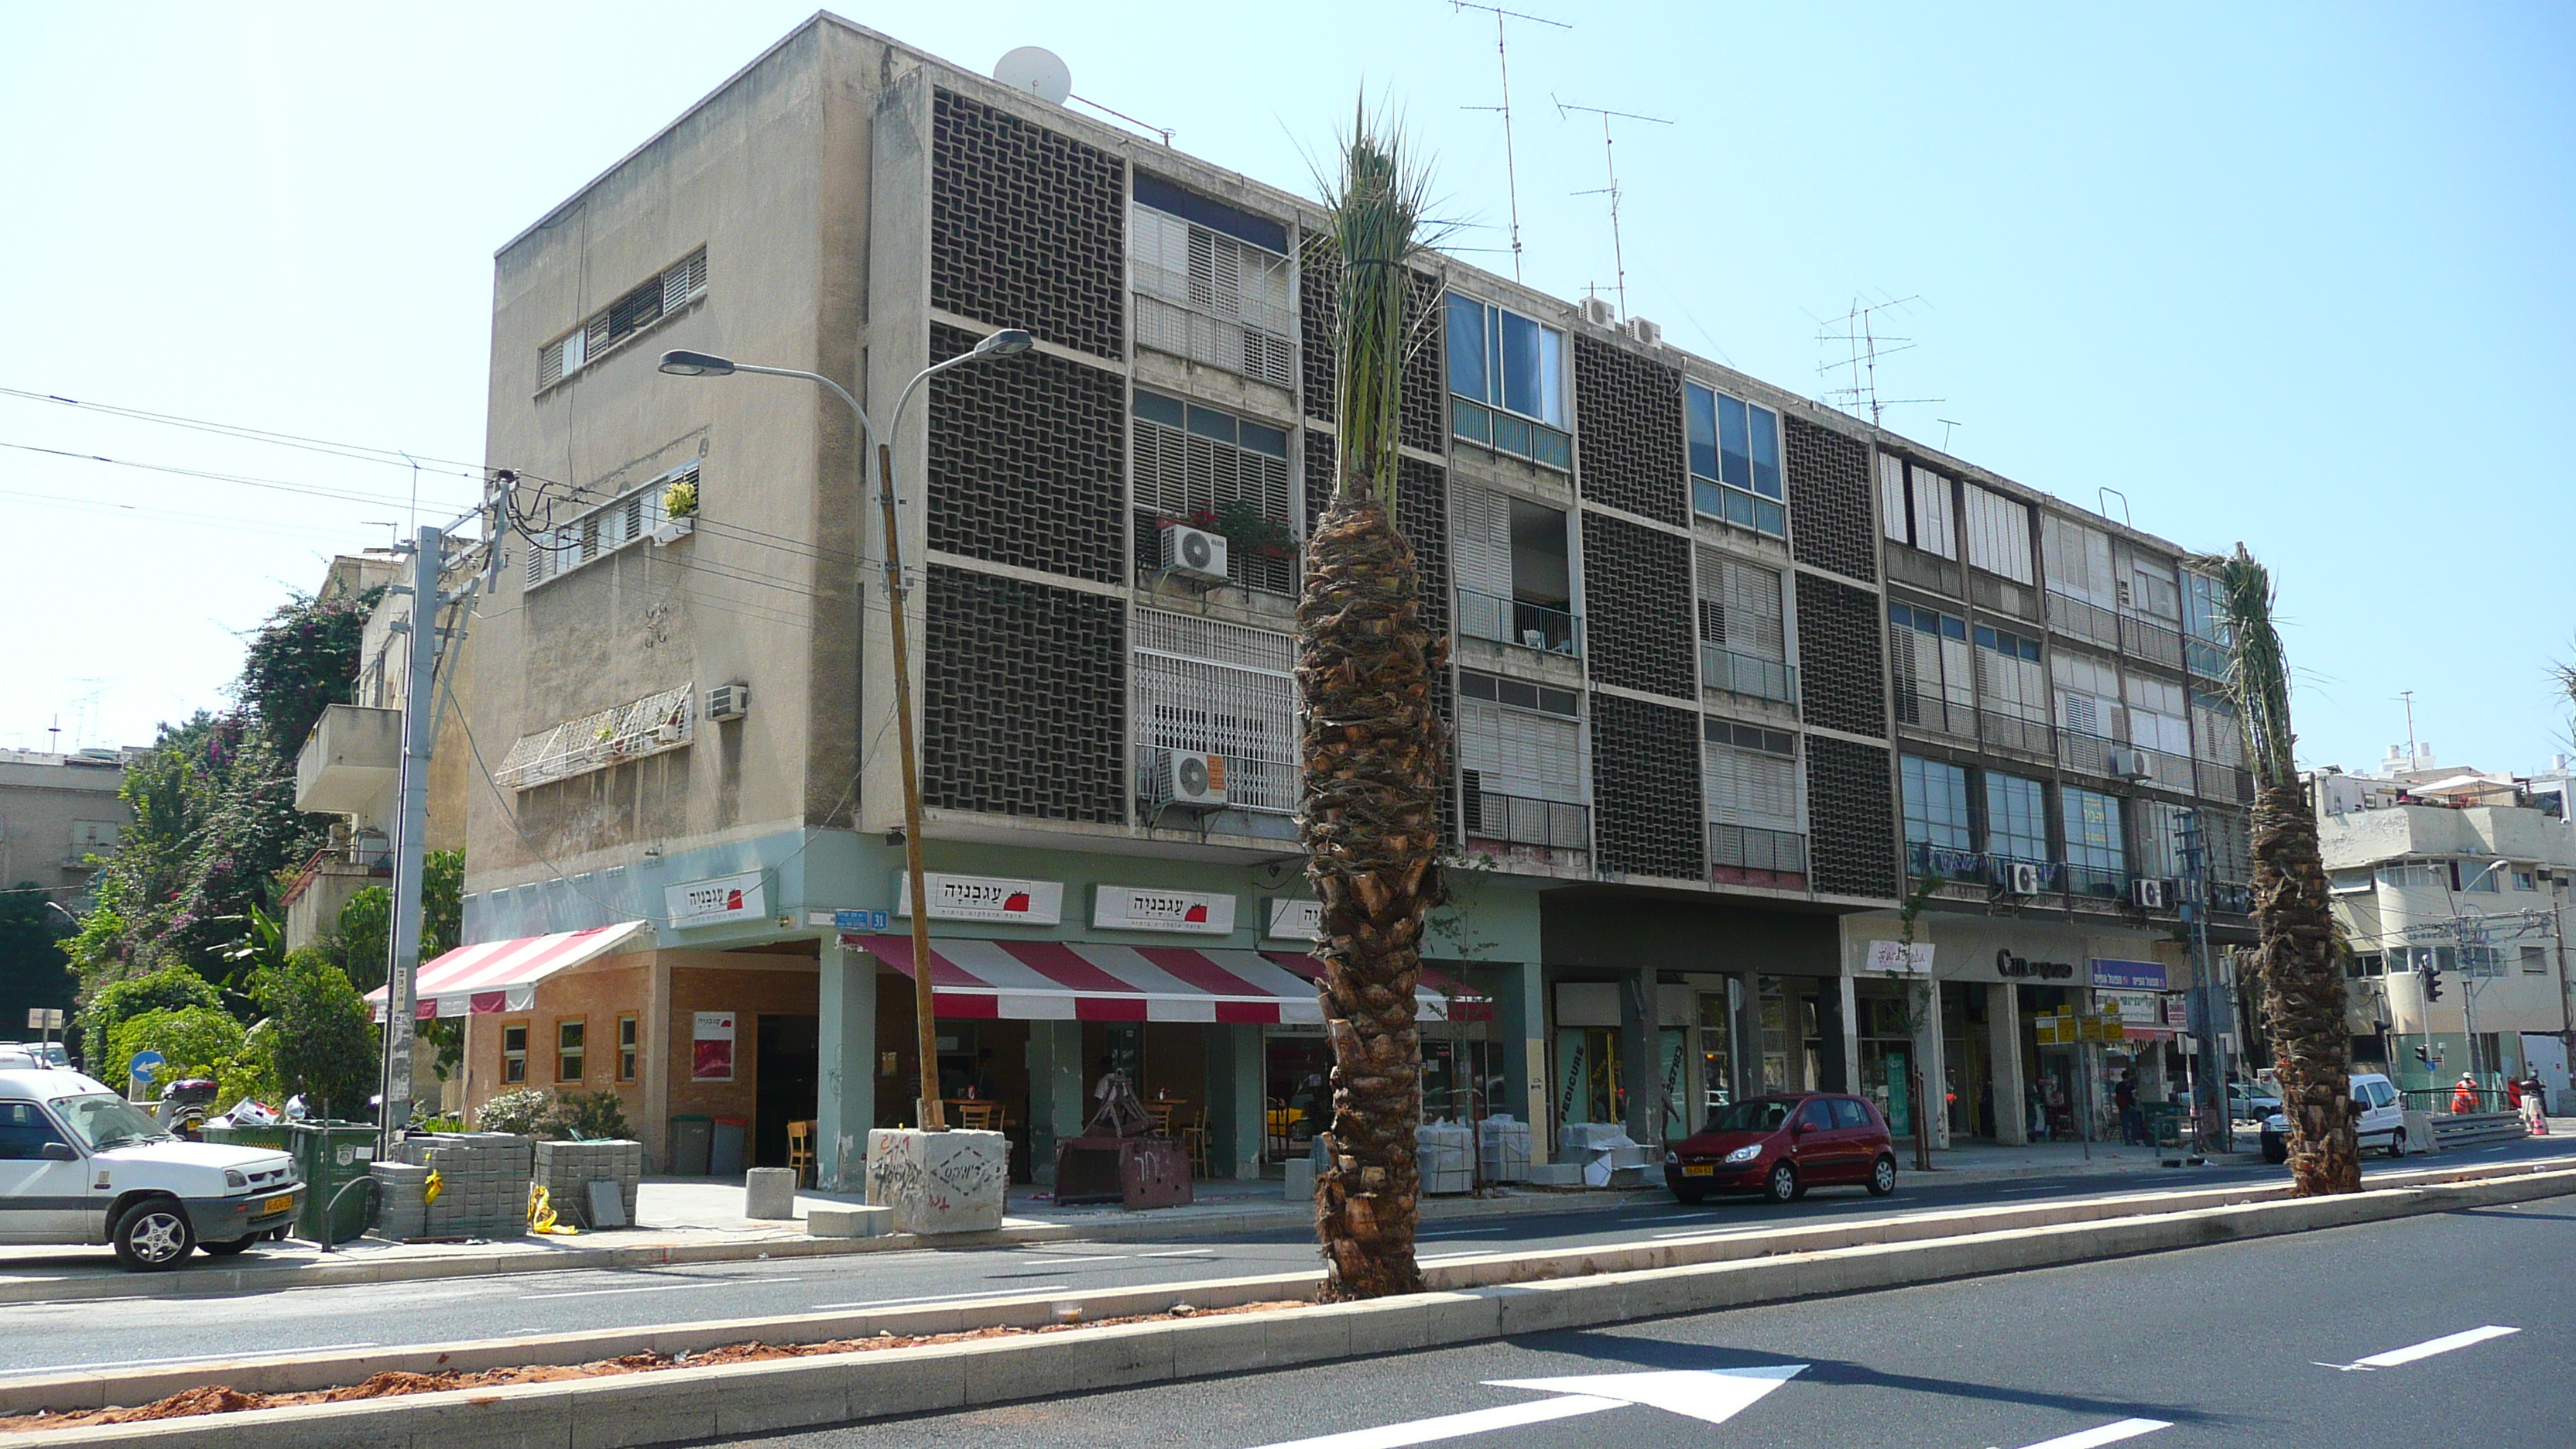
1858, 336
1502, 58
1610, 162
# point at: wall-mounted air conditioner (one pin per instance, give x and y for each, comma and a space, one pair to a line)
1646, 333
1599, 312
728, 701
1194, 553
2027, 879
2126, 763
1193, 779
2151, 895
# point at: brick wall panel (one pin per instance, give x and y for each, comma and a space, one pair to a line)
1027, 227
1842, 675
1028, 462
1024, 699
1629, 450
1646, 799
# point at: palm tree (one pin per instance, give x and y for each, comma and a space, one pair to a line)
1374, 748
2303, 986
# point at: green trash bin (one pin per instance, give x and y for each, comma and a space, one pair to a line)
273, 1138
329, 1156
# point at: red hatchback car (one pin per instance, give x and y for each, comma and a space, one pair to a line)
1780, 1146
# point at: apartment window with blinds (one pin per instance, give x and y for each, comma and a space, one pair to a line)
1998, 534
1520, 757
1935, 679
1914, 507
1212, 283
1750, 779
2088, 695
1219, 472
1735, 461
2083, 591
2216, 735
629, 518
2160, 836
2096, 857
1209, 687
649, 303
1743, 629
2158, 721
1513, 571
1936, 803
2012, 690
2016, 817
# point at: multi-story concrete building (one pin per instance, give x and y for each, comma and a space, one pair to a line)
59, 812
2460, 878
1730, 668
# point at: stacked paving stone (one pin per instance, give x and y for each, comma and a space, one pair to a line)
404, 1215
567, 1169
483, 1185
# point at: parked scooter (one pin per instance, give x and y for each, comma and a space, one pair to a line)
183, 1107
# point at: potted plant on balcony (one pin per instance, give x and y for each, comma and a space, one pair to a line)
1244, 527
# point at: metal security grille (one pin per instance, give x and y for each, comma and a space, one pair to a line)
1211, 298
613, 736
1319, 311
1027, 462
1840, 672
627, 519
1637, 592
1025, 227
1646, 788
1851, 814
1829, 509
1747, 848
1628, 417
1222, 689
657, 297
1024, 706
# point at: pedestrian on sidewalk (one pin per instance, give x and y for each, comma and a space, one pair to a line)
2464, 1097
2133, 1123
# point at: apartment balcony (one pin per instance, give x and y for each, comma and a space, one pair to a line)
2143, 638
1741, 673
1925, 571
1930, 714
351, 764
2101, 882
1751, 855
2010, 732
2204, 658
1520, 623
2070, 615
1473, 422
1553, 832
2223, 783
2231, 898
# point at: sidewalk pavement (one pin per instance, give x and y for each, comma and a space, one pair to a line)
698, 1220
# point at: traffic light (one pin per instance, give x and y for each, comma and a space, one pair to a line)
2432, 981
2423, 1056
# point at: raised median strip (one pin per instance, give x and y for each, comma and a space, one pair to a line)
1479, 1297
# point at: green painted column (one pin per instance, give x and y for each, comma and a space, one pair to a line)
1059, 1097
1235, 1101
1520, 1028
846, 1099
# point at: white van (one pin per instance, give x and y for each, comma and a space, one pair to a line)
80, 1164
2381, 1121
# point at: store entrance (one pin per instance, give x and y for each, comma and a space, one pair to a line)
785, 1075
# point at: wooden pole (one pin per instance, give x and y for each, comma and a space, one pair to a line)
925, 1020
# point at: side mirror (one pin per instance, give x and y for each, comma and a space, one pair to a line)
60, 1152
1802, 1127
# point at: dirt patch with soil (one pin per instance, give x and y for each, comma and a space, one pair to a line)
223, 1399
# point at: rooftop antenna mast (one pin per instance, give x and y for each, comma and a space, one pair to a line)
1511, 162
1863, 345
1610, 161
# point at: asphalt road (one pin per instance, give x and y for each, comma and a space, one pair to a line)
36, 1337
2441, 1330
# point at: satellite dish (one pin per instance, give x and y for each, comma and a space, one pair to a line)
1037, 71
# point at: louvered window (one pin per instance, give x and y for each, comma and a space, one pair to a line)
2216, 735
1935, 680
1216, 471
647, 304
1210, 283
1744, 644
1998, 534
648, 726
1751, 775
627, 519
1915, 507
1520, 758
2088, 695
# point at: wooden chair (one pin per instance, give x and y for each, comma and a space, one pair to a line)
1162, 1110
976, 1116
1275, 1119
1194, 1140
800, 1152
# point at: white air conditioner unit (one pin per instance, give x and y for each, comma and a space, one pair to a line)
2028, 879
1599, 312
1194, 779
2129, 764
728, 701
1194, 553
1645, 333
2151, 895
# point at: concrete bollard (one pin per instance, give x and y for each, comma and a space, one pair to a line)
1301, 1179
849, 1222
769, 1192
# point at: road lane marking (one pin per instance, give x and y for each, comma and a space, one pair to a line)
1183, 1253
659, 1288
1457, 1426
1052, 1261
190, 1358
2107, 1434
944, 1297
2426, 1349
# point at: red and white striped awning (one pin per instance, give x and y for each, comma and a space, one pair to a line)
1058, 981
500, 976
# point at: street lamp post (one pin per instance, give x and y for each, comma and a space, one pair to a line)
1009, 342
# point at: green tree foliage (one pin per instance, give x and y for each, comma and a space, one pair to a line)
322, 1042
33, 970
585, 1116
514, 1112
360, 942
195, 1041
172, 988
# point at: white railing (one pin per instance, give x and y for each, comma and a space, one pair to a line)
648, 726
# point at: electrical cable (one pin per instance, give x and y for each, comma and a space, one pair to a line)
278, 484
358, 451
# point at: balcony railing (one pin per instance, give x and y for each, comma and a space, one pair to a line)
1515, 621
2091, 754
1924, 571
2232, 898
2146, 639
2201, 656
1740, 673
2030, 736
2070, 615
1751, 855
1519, 820
1947, 862
1932, 712
2094, 880
2216, 781
1474, 422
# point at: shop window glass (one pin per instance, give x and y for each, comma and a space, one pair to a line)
514, 1052
2016, 817
568, 1051
1936, 803
626, 1048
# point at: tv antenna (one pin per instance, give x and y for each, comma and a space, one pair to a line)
1858, 334
1503, 59
1610, 162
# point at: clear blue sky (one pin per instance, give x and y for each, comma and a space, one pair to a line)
2292, 274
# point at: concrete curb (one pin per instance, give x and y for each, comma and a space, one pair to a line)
1478, 1297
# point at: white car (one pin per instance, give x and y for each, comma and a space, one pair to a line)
2381, 1121
80, 1164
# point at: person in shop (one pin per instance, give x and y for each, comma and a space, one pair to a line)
984, 1088
2464, 1097
2133, 1123
1308, 1101
2038, 1113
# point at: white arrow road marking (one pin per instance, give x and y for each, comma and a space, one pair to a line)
1456, 1426
2426, 1349
2107, 1434
1715, 1395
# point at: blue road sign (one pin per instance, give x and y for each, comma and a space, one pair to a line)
144, 1065
860, 920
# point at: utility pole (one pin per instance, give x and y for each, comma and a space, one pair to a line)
428, 552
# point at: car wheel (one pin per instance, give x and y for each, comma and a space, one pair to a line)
2274, 1149
1882, 1176
154, 1236
226, 1250
1690, 1196
1782, 1185
2397, 1143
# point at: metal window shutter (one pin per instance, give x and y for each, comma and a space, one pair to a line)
1753, 618
1935, 531
1892, 509
1481, 528
1998, 534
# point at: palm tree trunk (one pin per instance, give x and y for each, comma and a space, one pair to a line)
1373, 752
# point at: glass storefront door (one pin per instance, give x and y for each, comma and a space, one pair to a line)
1716, 1051
1887, 1060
